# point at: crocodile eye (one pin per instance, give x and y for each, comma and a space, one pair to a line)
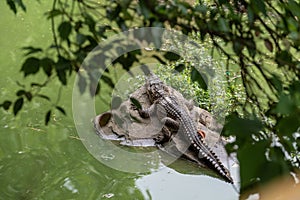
166, 89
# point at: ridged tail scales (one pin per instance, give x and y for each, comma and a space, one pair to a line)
204, 152
197, 143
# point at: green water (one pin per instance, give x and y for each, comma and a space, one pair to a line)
51, 162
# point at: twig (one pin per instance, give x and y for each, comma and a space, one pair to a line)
53, 29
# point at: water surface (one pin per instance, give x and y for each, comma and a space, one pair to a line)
51, 162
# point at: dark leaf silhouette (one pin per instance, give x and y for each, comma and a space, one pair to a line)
81, 84
21, 92
136, 103
6, 105
28, 95
62, 76
116, 102
180, 67
18, 105
197, 77
12, 5
172, 56
61, 109
64, 30
31, 50
53, 13
43, 97
30, 66
47, 65
47, 117
108, 81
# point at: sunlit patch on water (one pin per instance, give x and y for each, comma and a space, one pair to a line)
69, 185
169, 184
108, 195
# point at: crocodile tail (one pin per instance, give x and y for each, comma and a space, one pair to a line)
214, 160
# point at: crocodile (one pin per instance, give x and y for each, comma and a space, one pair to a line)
173, 115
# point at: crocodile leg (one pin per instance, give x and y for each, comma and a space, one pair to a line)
170, 123
164, 136
145, 113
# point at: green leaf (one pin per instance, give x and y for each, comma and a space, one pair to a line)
18, 105
285, 106
294, 7
6, 105
283, 58
251, 15
243, 129
47, 117
252, 162
223, 25
61, 109
64, 30
80, 38
259, 6
288, 125
30, 66
237, 47
277, 83
251, 47
144, 9
221, 2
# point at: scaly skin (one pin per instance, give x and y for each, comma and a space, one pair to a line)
159, 96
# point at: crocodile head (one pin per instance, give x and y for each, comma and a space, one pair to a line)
155, 87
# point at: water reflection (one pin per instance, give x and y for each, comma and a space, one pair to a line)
169, 184
44, 174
